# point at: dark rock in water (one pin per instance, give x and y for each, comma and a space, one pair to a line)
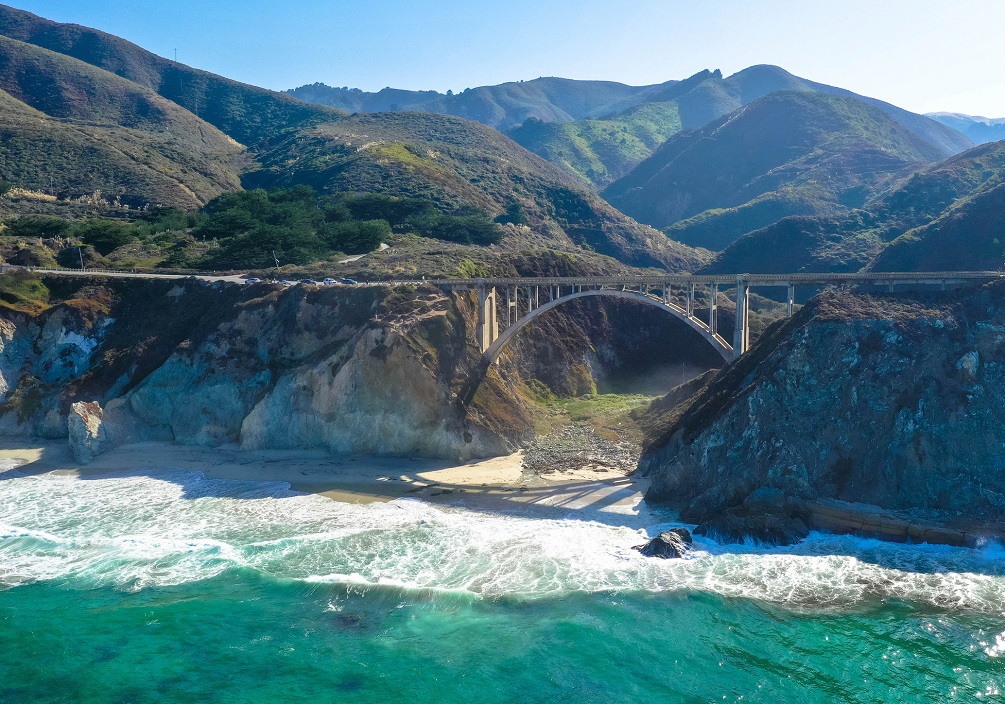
737, 524
672, 543
351, 621
351, 682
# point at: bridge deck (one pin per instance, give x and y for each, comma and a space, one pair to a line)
802, 279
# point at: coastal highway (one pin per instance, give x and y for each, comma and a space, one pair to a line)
232, 278
650, 281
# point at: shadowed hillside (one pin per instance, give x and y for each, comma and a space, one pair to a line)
246, 113
789, 153
964, 238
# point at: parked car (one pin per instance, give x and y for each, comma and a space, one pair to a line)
252, 281
329, 282
349, 281
308, 281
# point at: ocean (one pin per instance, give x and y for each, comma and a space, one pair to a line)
171, 587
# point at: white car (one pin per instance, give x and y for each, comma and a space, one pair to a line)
252, 281
329, 282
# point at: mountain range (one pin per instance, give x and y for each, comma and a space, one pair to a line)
87, 111
746, 166
599, 130
980, 130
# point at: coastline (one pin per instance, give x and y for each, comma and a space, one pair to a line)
498, 484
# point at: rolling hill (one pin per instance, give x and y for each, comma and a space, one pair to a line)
503, 106
76, 129
245, 113
99, 113
597, 131
967, 237
458, 162
788, 153
943, 217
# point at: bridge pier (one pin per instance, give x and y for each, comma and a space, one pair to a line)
713, 308
488, 325
790, 301
741, 331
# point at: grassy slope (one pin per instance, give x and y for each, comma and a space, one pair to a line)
89, 130
246, 113
601, 151
789, 153
968, 237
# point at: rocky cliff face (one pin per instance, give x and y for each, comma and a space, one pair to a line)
890, 400
365, 370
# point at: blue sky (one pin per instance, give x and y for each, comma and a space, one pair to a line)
923, 55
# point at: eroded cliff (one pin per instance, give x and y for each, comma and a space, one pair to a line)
891, 400
365, 369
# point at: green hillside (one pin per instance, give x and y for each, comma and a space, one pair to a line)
970, 236
72, 129
788, 153
915, 205
457, 162
245, 113
601, 151
597, 130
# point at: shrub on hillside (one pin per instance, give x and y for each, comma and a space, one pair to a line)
105, 235
37, 226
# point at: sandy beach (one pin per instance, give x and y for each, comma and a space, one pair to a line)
500, 483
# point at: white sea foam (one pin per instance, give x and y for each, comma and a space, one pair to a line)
175, 527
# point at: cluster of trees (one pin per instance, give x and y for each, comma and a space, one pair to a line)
253, 229
296, 226
102, 234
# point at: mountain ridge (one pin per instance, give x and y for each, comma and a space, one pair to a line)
787, 153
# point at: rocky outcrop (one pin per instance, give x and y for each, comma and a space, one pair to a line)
88, 435
669, 544
889, 400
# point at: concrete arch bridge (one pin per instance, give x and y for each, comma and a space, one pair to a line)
505, 306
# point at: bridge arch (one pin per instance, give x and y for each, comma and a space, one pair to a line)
718, 343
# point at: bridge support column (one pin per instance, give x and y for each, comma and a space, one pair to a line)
488, 326
741, 332
689, 305
713, 308
790, 301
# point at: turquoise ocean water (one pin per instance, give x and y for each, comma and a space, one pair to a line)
170, 587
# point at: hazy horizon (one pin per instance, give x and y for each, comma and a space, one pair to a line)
895, 52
